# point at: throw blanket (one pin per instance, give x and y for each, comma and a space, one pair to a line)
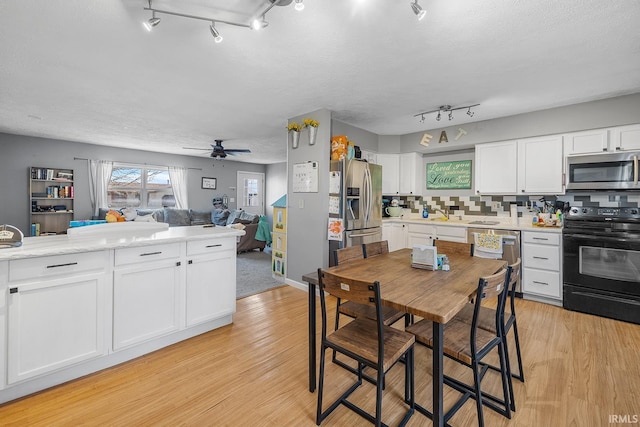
487, 245
263, 233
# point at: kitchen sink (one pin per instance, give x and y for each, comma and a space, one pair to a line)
484, 222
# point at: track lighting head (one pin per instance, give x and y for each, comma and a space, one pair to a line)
438, 116
151, 22
258, 24
215, 33
418, 10
470, 113
450, 115
299, 5
447, 109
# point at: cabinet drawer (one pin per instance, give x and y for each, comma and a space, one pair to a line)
421, 228
68, 264
146, 253
542, 257
197, 247
541, 238
541, 282
452, 234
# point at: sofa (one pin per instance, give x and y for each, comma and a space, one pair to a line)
184, 217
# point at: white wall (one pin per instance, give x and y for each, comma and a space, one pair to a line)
276, 186
19, 153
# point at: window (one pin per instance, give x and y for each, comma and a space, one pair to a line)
140, 187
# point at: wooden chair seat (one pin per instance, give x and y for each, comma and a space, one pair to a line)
355, 310
456, 338
361, 337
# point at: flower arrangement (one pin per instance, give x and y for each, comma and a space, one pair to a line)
308, 122
294, 126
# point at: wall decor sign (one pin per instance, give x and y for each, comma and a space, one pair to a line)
209, 183
449, 175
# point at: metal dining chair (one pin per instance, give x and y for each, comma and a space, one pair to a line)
355, 310
485, 321
468, 344
369, 342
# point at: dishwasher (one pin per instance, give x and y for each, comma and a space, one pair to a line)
510, 246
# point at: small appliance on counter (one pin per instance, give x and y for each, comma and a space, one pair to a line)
10, 236
394, 208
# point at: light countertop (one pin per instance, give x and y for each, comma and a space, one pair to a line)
504, 223
113, 239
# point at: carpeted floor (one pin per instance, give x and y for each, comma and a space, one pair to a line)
254, 273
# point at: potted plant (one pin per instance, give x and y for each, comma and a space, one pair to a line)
313, 129
294, 129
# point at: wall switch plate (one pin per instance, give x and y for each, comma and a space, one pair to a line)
496, 205
231, 200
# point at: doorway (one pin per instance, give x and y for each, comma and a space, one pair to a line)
251, 192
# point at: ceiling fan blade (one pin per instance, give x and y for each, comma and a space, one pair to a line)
237, 150
194, 148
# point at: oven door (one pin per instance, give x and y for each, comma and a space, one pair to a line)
602, 261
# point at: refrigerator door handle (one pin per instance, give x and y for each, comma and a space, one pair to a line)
368, 194
362, 234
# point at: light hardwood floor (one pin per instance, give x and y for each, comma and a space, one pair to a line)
580, 369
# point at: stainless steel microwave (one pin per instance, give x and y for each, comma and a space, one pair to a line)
614, 171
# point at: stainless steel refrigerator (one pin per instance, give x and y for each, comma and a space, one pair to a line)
360, 202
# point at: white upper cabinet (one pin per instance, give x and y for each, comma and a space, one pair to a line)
496, 169
410, 173
390, 173
527, 166
625, 137
619, 138
369, 156
540, 165
590, 141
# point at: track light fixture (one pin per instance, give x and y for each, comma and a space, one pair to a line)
151, 22
418, 10
299, 5
447, 109
256, 24
215, 33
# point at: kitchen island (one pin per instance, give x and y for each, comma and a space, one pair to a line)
74, 304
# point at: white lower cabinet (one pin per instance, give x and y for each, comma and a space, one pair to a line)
58, 322
146, 294
541, 264
396, 235
211, 280
420, 234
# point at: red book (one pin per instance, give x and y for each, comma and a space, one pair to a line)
71, 191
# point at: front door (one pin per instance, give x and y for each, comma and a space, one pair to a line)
251, 192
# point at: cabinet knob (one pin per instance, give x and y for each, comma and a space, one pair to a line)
178, 264
13, 290
190, 261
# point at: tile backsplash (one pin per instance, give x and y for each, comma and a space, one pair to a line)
500, 205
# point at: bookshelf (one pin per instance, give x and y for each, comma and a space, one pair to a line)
51, 195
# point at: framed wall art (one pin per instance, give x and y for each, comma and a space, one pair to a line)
209, 183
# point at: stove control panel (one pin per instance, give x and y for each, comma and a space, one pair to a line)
603, 214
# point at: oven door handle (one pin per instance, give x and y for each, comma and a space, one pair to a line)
598, 238
635, 170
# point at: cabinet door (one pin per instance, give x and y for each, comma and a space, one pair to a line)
591, 141
145, 302
419, 239
211, 287
369, 156
496, 168
626, 137
410, 174
396, 235
540, 165
54, 324
390, 173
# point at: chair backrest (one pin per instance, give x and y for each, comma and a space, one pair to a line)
375, 248
447, 248
514, 276
492, 286
353, 290
350, 253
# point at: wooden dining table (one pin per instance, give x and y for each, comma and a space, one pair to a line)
434, 295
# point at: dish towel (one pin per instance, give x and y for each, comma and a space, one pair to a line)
487, 245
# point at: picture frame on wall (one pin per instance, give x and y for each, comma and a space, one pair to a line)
209, 183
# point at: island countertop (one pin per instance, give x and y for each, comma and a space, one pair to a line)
111, 239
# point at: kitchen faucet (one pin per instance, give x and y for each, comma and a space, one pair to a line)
445, 213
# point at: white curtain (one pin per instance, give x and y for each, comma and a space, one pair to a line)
99, 176
178, 177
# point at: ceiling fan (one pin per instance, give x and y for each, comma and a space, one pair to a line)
219, 152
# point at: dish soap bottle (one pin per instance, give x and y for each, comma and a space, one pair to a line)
425, 212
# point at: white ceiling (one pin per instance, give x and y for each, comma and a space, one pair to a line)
86, 70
